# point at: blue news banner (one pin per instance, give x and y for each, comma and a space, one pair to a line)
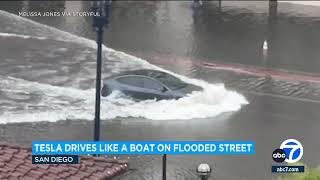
66, 152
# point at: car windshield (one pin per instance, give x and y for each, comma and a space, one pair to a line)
170, 81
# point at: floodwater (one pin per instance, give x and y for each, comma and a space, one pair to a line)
48, 75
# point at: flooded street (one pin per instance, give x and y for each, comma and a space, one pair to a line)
262, 93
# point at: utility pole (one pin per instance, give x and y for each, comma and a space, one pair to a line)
100, 19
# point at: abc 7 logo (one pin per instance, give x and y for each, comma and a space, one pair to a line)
290, 151
279, 155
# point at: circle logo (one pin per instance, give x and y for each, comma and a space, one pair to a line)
279, 155
293, 150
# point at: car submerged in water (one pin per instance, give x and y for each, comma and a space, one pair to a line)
146, 84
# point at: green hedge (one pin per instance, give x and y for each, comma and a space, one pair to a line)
309, 174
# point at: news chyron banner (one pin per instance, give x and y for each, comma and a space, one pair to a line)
66, 152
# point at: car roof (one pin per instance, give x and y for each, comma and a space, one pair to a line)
143, 72
164, 78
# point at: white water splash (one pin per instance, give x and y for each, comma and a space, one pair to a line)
59, 103
20, 36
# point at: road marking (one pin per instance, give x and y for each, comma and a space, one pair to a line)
260, 71
281, 96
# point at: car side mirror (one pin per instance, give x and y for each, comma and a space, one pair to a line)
164, 89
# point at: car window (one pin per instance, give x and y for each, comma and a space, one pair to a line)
152, 84
132, 81
171, 81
